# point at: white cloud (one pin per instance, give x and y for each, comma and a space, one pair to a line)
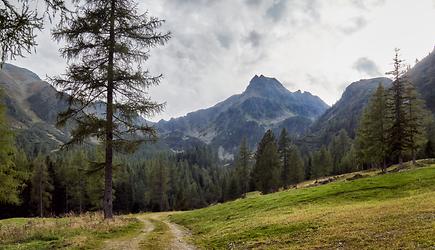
312, 45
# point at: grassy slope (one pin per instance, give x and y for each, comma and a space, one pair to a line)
392, 211
76, 232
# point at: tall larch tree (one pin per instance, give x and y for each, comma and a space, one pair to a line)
107, 43
372, 134
267, 168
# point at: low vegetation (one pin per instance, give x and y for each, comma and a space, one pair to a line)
394, 210
87, 231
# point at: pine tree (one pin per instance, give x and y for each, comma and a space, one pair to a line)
417, 120
41, 185
106, 44
397, 109
243, 167
372, 145
267, 170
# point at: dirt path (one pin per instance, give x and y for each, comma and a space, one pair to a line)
179, 235
131, 243
172, 231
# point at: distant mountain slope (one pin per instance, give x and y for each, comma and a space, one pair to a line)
265, 104
32, 107
422, 76
346, 112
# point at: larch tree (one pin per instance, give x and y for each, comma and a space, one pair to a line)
18, 22
107, 43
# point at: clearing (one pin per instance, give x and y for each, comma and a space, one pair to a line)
380, 211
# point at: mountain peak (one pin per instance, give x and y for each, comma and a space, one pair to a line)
265, 85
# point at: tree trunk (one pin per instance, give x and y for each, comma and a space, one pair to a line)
414, 157
40, 196
108, 201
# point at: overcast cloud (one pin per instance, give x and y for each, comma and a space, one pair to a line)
313, 45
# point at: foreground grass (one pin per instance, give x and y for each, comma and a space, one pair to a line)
75, 232
392, 211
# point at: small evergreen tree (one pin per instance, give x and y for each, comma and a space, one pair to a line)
322, 163
41, 185
372, 135
243, 167
267, 170
296, 166
338, 147
284, 150
417, 121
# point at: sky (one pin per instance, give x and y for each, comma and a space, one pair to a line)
318, 46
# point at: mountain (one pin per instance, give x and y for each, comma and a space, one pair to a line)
32, 106
265, 104
422, 75
346, 112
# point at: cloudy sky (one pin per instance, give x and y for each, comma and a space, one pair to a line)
319, 46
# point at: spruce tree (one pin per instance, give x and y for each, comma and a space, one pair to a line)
41, 185
267, 170
322, 163
417, 121
396, 107
296, 166
106, 44
243, 167
338, 147
284, 150
372, 146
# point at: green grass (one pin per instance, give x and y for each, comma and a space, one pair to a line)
75, 232
391, 211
